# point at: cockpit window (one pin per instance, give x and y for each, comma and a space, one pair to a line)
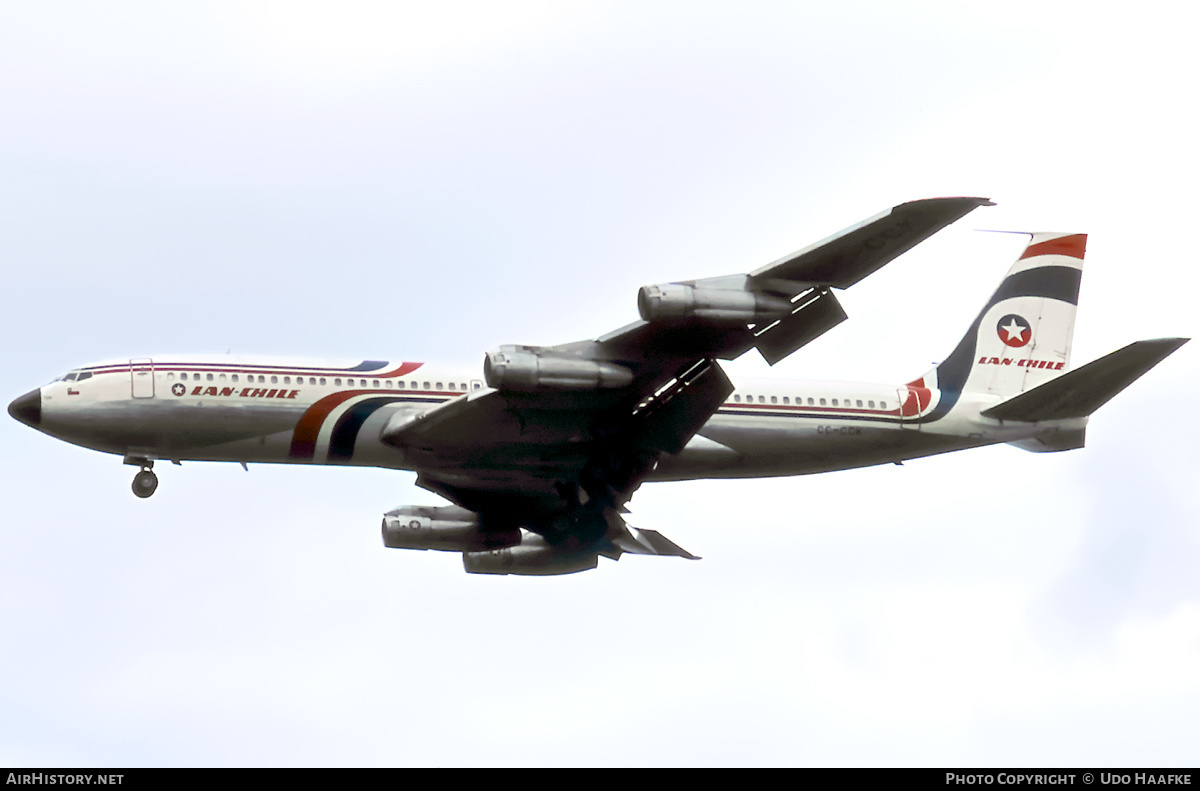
73, 376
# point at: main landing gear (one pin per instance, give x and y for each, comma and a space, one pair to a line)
145, 482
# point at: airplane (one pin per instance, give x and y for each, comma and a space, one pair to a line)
540, 453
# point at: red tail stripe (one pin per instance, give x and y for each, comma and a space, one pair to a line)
1073, 246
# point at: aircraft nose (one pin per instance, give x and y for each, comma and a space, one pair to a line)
28, 408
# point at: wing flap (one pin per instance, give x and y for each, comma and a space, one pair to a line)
1081, 392
649, 542
814, 317
665, 422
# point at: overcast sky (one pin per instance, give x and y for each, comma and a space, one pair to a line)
427, 181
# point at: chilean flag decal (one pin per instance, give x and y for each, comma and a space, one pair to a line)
1014, 330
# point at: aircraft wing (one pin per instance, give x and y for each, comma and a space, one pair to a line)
565, 434
786, 304
847, 257
531, 456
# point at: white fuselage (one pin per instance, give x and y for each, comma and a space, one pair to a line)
308, 412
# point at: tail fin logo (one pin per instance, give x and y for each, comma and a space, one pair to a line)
1014, 331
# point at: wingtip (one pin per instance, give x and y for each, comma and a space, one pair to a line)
969, 198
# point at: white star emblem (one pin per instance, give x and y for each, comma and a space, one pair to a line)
1013, 329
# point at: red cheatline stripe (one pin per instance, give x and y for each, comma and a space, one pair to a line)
832, 411
1073, 246
401, 371
308, 428
304, 436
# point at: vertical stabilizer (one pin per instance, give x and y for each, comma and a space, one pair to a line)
1022, 337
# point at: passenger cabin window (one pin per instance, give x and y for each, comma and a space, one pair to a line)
337, 382
210, 377
737, 399
774, 400
822, 402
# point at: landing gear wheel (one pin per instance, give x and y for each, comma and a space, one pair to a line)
144, 483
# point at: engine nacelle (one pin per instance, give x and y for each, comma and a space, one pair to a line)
668, 301
445, 527
529, 368
532, 557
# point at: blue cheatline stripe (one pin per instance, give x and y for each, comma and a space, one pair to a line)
345, 431
167, 364
811, 415
369, 365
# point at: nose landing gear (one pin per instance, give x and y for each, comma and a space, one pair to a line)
145, 482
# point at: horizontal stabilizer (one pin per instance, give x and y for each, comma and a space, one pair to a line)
1081, 392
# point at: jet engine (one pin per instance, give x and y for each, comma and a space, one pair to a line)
533, 556
714, 300
445, 527
515, 550
529, 368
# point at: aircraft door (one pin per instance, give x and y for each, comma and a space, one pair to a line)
141, 377
908, 409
